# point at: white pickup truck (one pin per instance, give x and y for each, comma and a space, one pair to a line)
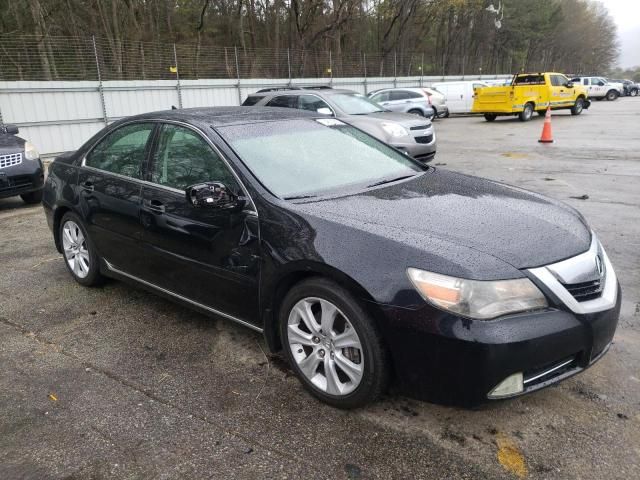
599, 88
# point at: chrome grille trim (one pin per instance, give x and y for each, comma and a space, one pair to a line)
10, 160
572, 271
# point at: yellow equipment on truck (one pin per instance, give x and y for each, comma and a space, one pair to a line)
528, 93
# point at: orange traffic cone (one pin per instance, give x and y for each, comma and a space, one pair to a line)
547, 137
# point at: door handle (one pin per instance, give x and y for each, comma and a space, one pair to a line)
87, 186
155, 206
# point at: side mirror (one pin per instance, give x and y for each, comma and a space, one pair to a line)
324, 111
10, 129
213, 195
569, 84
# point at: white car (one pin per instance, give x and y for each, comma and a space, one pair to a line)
599, 87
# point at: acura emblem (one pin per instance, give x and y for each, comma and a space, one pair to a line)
599, 265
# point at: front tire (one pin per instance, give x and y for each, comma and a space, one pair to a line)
32, 197
417, 112
526, 114
490, 117
577, 107
332, 344
79, 253
612, 95
633, 92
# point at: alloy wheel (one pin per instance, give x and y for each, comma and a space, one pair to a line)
325, 346
74, 245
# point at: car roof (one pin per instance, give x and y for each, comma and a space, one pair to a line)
302, 91
224, 116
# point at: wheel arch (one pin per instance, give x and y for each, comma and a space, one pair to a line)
272, 299
57, 218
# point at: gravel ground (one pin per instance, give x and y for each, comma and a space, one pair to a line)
114, 382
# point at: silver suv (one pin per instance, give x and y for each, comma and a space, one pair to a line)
411, 134
426, 102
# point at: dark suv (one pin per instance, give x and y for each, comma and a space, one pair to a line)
21, 171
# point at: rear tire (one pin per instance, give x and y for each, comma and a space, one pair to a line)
612, 95
415, 111
80, 255
633, 92
577, 107
490, 117
526, 114
312, 351
32, 197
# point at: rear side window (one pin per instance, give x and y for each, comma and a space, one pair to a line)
399, 95
122, 151
287, 101
251, 100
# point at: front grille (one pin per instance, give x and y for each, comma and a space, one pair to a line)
424, 139
585, 291
420, 127
10, 160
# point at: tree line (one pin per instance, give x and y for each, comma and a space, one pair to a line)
403, 36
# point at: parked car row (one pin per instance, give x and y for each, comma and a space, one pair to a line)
411, 132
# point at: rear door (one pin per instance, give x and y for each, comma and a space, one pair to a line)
208, 256
110, 184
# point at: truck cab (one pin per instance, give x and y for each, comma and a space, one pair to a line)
528, 93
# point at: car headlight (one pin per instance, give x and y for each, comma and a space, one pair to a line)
395, 130
30, 152
474, 298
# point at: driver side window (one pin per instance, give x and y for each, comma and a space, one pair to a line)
122, 151
183, 158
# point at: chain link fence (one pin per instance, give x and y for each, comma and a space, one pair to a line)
99, 58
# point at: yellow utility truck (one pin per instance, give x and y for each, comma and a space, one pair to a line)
528, 93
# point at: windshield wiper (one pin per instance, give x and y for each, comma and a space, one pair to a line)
389, 180
298, 197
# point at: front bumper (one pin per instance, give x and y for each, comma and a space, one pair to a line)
20, 179
413, 146
452, 360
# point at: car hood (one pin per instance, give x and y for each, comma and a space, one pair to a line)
11, 144
513, 225
404, 119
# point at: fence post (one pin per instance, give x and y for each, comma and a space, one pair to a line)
422, 70
289, 65
364, 64
395, 69
175, 59
330, 69
100, 89
235, 50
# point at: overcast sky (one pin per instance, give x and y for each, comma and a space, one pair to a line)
626, 14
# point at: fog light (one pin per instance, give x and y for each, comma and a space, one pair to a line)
511, 385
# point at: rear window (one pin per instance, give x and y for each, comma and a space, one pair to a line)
529, 80
251, 100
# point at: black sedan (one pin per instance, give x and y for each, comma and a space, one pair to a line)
362, 264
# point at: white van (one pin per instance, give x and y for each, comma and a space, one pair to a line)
459, 95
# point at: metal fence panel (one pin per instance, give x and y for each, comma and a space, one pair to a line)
58, 116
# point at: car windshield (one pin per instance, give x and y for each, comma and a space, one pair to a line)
308, 157
355, 104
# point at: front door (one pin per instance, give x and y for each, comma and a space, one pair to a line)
206, 255
110, 187
561, 95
